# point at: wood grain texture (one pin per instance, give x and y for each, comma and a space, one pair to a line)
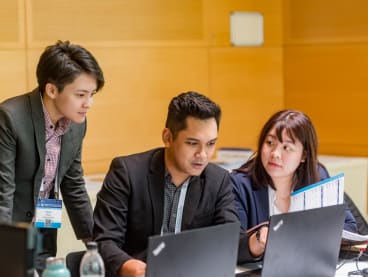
12, 73
12, 34
248, 85
115, 20
326, 64
151, 51
328, 21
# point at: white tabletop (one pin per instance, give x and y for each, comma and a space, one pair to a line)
349, 266
342, 271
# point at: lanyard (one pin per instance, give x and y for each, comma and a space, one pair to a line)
179, 213
56, 187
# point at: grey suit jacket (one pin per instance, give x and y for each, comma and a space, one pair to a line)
22, 154
130, 205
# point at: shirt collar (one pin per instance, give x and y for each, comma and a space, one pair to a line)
62, 125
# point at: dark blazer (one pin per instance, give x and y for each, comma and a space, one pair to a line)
252, 203
22, 154
130, 205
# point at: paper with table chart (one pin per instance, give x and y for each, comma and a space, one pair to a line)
327, 192
354, 238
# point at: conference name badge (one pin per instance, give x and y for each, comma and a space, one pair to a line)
48, 213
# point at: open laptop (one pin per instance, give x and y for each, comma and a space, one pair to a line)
304, 243
203, 252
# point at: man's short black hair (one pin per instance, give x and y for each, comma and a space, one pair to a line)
190, 104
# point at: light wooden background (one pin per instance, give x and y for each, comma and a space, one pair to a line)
315, 58
326, 70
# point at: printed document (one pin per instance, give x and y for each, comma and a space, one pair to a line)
325, 193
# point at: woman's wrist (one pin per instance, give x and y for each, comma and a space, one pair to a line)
256, 248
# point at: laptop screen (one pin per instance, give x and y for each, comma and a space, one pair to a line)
304, 243
206, 252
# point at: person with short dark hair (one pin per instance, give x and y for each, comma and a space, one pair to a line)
41, 134
164, 190
285, 160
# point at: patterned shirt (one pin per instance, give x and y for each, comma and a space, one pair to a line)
171, 201
54, 133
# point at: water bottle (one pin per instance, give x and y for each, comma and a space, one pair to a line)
55, 267
92, 264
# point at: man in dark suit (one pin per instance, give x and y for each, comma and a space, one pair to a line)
41, 136
164, 190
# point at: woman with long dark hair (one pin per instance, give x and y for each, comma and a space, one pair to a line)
285, 160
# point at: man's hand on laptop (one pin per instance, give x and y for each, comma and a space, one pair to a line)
257, 241
133, 268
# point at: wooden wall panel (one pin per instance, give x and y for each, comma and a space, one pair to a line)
241, 78
12, 24
329, 83
247, 82
32, 58
315, 21
150, 51
115, 20
325, 70
12, 73
129, 114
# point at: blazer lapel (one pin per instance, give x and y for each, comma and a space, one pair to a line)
38, 120
262, 206
192, 198
156, 185
67, 145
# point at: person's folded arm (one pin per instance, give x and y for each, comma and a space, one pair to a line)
110, 217
7, 166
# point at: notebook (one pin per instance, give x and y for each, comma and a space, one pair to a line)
203, 252
304, 243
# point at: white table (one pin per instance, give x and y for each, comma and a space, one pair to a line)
341, 272
356, 175
350, 266
67, 241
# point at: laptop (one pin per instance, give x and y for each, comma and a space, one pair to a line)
304, 243
203, 252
